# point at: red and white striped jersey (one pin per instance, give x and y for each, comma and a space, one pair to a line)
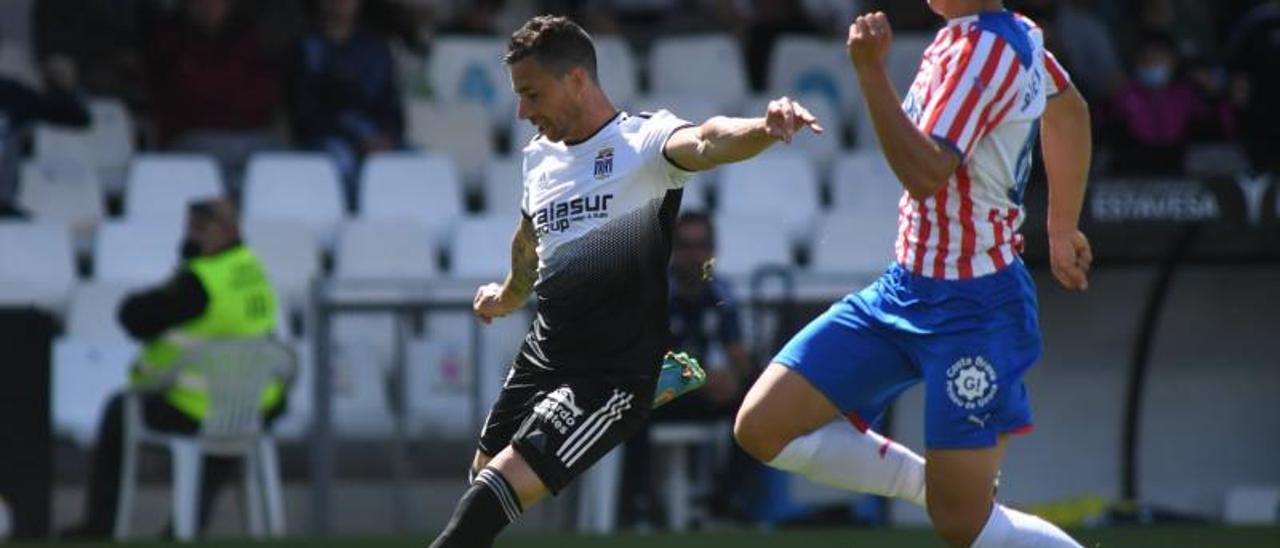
981, 90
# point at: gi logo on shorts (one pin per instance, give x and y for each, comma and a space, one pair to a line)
604, 163
559, 409
971, 382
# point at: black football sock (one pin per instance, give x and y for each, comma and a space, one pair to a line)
485, 509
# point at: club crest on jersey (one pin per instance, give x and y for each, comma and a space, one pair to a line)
971, 382
604, 163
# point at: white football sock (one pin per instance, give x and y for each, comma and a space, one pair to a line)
840, 456
1009, 528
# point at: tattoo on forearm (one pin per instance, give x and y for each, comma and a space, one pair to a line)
524, 260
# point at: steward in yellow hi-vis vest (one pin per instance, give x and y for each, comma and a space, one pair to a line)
220, 290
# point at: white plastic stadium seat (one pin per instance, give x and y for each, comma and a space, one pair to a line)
161, 185
36, 264
780, 185
616, 68
503, 186
105, 146
85, 373
482, 246
298, 186
745, 242
470, 68
17, 62
849, 243
290, 254
708, 65
458, 130
62, 192
692, 107
384, 250
861, 181
822, 148
93, 313
806, 65
135, 252
422, 188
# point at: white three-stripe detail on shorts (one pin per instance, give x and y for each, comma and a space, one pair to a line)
613, 415
499, 488
617, 394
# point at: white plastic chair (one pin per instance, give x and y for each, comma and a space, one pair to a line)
417, 187
63, 192
105, 146
459, 130
36, 264
297, 186
236, 371
291, 255
135, 252
503, 186
745, 242
616, 68
806, 65
482, 246
781, 184
161, 185
470, 69
708, 65
384, 250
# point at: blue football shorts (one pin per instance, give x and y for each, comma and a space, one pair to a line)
970, 341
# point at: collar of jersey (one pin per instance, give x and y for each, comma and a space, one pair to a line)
597, 133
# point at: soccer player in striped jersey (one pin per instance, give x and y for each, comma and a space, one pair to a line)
957, 309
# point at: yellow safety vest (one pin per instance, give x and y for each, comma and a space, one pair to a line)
241, 304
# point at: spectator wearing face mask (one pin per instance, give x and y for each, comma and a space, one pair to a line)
1161, 111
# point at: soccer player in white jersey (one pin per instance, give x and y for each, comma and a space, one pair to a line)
601, 192
957, 309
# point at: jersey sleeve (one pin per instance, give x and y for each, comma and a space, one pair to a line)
524, 186
974, 69
655, 131
1058, 79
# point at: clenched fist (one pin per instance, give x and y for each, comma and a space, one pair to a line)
869, 40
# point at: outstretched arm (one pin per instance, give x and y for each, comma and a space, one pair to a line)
1067, 143
724, 140
497, 300
921, 163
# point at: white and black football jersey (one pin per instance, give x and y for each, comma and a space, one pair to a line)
603, 210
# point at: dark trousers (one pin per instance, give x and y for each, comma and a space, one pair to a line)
104, 479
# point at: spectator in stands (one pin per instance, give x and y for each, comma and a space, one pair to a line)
105, 38
20, 106
343, 97
219, 290
705, 323
1251, 54
1161, 111
1188, 22
1082, 42
214, 89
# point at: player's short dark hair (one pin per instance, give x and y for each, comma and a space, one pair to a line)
556, 42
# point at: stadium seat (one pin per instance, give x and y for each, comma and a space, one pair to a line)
17, 62
694, 197
780, 185
458, 130
848, 242
93, 313
438, 375
37, 266
481, 247
160, 186
295, 186
692, 107
105, 146
136, 252
422, 188
863, 181
295, 423
62, 192
470, 68
904, 59
707, 65
522, 132
503, 186
747, 241
824, 147
384, 250
616, 65
807, 65
289, 251
86, 372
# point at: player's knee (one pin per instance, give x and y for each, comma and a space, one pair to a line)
957, 524
752, 432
